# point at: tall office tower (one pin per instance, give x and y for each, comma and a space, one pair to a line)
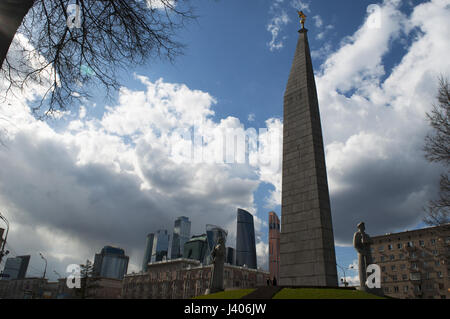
16, 268
160, 249
196, 248
213, 233
231, 256
307, 254
181, 234
245, 240
111, 263
274, 246
148, 251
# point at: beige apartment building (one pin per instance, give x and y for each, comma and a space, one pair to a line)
185, 278
414, 264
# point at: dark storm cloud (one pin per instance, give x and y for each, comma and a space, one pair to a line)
40, 178
388, 195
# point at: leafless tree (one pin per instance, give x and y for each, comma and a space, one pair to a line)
84, 43
437, 149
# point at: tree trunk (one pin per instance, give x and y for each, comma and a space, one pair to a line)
12, 13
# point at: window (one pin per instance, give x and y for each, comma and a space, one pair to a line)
414, 266
382, 258
421, 243
435, 252
385, 279
424, 253
394, 278
410, 244
404, 277
372, 250
391, 257
386, 289
437, 262
413, 255
381, 248
428, 275
439, 274
383, 269
433, 241
415, 276
395, 288
390, 247
393, 267
401, 256
399, 245
405, 288
418, 288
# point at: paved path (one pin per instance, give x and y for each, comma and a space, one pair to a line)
263, 293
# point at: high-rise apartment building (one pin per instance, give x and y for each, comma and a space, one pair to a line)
111, 263
245, 240
274, 246
181, 234
414, 264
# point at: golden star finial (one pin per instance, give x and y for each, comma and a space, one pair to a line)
302, 17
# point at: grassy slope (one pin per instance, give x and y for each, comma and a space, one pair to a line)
298, 293
311, 293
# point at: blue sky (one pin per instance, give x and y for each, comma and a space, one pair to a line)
374, 86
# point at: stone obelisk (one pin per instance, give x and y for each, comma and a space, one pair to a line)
307, 253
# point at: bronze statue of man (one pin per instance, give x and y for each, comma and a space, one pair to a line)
362, 243
218, 259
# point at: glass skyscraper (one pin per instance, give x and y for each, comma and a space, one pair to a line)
245, 240
148, 251
160, 246
16, 267
111, 263
181, 234
196, 248
213, 233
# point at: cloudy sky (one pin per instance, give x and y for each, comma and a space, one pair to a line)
109, 172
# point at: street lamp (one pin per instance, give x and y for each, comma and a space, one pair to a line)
3, 242
345, 277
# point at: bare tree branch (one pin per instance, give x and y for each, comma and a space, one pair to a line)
112, 36
437, 149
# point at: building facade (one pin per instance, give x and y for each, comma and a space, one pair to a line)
111, 263
181, 234
274, 246
16, 267
184, 279
414, 264
245, 240
25, 288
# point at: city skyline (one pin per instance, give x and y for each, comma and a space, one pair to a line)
101, 173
